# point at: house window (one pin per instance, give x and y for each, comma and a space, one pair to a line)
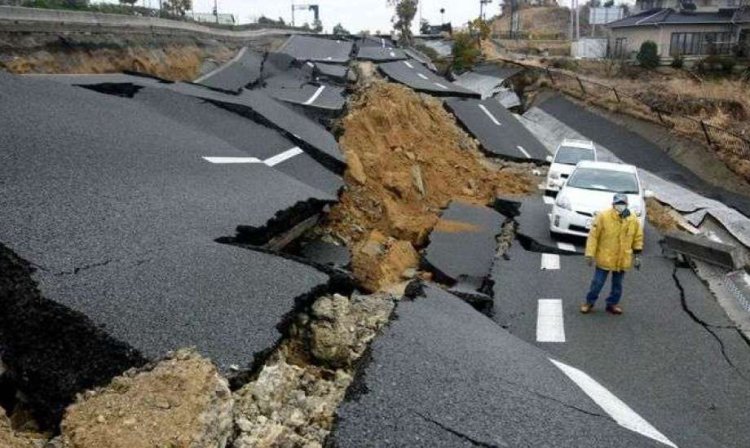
700, 43
620, 47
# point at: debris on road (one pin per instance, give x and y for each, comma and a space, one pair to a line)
660, 216
11, 438
390, 130
180, 402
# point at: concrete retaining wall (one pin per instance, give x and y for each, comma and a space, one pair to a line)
18, 19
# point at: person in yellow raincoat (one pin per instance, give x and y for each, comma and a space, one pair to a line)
614, 245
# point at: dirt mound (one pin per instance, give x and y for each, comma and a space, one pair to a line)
407, 160
15, 439
660, 217
183, 402
178, 63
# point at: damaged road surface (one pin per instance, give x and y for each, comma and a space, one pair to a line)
673, 356
444, 375
126, 245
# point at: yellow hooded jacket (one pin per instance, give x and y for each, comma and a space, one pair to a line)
613, 240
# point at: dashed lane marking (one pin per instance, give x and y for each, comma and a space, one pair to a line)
487, 112
441, 86
271, 161
520, 148
286, 155
549, 321
422, 76
550, 262
315, 95
616, 408
566, 246
408, 64
393, 54
222, 160
548, 200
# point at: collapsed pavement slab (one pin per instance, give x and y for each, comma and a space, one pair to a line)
333, 72
443, 375
115, 210
380, 54
246, 135
498, 130
243, 70
462, 249
319, 96
308, 48
415, 75
487, 79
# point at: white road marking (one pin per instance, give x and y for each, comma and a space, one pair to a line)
441, 86
616, 408
393, 54
223, 160
310, 64
382, 42
315, 95
492, 117
218, 69
329, 58
408, 64
422, 76
548, 200
549, 321
520, 148
286, 155
550, 262
566, 246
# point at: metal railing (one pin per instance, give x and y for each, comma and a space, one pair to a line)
728, 144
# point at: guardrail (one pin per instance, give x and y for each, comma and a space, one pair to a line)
20, 19
726, 143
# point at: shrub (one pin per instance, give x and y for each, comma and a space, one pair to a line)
678, 61
715, 64
648, 56
466, 51
565, 64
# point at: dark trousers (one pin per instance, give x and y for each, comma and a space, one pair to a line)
600, 278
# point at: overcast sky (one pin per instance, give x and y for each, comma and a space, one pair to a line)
355, 15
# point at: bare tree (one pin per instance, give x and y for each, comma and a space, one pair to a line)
405, 12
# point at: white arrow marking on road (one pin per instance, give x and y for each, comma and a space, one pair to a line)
408, 64
520, 148
548, 200
286, 155
566, 246
549, 321
487, 112
315, 95
422, 76
233, 160
616, 408
550, 262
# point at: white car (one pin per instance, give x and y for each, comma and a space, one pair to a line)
589, 190
567, 155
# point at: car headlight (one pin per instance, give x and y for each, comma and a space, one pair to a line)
564, 202
554, 175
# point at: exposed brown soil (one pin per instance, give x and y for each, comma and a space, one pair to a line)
450, 226
659, 215
174, 62
408, 159
10, 438
181, 403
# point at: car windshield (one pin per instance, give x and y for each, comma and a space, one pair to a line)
569, 155
604, 180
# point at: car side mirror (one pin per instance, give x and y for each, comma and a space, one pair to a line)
648, 194
549, 159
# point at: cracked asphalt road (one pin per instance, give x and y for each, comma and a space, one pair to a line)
677, 361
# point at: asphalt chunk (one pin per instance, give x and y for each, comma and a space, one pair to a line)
443, 375
380, 54
307, 48
500, 133
243, 70
415, 75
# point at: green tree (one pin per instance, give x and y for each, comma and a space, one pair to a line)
339, 30
128, 2
178, 7
609, 3
465, 51
405, 12
424, 26
648, 56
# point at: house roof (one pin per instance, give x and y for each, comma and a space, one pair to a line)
668, 16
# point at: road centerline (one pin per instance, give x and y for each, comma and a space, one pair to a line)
616, 408
315, 95
549, 321
281, 157
229, 160
520, 148
422, 76
408, 64
492, 117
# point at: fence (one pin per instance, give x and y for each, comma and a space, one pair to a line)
729, 145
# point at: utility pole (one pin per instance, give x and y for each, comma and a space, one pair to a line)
442, 16
216, 10
578, 21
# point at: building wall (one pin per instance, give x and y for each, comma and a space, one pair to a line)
662, 35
